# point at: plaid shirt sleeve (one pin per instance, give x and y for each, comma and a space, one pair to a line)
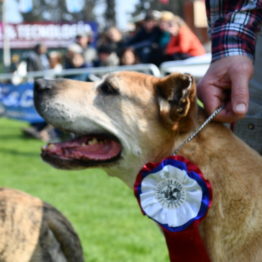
233, 26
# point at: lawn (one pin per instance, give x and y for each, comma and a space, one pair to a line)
102, 210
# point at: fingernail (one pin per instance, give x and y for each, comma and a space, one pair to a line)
240, 108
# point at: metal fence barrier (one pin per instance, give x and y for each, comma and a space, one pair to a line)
145, 68
196, 66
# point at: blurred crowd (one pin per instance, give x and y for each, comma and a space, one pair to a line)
156, 38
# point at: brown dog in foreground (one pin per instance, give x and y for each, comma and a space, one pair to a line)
34, 231
129, 119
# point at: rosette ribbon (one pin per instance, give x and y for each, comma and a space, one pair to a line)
175, 194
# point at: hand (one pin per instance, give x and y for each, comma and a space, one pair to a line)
226, 83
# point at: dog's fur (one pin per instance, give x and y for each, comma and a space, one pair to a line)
150, 117
34, 231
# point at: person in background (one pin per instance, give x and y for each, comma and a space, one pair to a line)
146, 39
81, 47
234, 27
106, 57
74, 59
112, 37
84, 42
55, 61
182, 42
15, 61
128, 57
37, 60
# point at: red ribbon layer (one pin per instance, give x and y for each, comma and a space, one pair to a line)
186, 246
184, 242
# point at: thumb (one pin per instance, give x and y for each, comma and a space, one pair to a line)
240, 94
240, 74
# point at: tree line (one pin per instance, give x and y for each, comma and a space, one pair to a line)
56, 10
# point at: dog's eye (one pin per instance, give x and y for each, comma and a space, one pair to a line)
108, 89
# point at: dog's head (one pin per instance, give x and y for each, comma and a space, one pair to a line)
120, 123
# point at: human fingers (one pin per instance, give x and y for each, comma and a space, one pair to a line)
214, 97
240, 77
211, 96
227, 114
226, 82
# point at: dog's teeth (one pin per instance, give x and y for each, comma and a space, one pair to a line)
93, 141
50, 146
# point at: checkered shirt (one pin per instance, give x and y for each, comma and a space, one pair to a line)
233, 25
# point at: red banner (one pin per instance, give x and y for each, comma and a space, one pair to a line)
54, 35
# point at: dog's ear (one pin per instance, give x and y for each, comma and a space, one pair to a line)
176, 95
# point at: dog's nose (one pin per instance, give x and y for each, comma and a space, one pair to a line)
43, 84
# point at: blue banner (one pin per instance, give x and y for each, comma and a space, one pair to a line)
16, 102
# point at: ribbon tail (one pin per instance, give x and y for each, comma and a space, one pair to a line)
185, 246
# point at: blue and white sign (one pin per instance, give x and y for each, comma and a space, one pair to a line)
17, 102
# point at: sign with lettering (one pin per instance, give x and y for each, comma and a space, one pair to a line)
53, 35
17, 102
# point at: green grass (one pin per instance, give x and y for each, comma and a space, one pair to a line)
102, 210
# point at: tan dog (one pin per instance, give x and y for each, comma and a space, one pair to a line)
34, 231
129, 119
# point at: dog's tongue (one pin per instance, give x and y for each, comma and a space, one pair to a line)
85, 148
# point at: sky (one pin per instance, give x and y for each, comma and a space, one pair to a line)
12, 12
123, 7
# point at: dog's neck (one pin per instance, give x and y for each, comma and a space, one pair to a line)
212, 144
206, 146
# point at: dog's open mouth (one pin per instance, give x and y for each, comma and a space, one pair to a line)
83, 151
